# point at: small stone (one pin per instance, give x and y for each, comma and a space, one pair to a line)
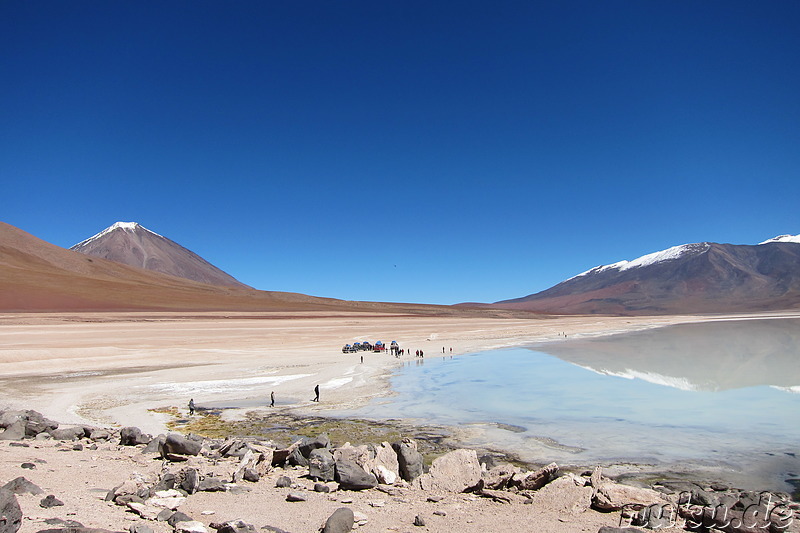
440, 513
28, 466
295, 497
207, 513
360, 518
321, 487
419, 521
50, 501
283, 482
435, 499
347, 500
377, 503
77, 447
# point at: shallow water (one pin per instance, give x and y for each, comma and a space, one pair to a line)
724, 395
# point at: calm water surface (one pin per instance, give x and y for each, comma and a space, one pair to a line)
725, 395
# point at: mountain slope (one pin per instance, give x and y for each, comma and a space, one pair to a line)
131, 244
39, 276
691, 278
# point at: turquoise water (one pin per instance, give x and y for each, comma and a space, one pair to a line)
724, 395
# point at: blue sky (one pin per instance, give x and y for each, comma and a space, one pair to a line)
416, 151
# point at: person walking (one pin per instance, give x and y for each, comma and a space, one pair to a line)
272, 399
191, 407
316, 392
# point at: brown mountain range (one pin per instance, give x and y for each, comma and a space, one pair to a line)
132, 244
38, 276
692, 278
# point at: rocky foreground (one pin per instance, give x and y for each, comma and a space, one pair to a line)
89, 480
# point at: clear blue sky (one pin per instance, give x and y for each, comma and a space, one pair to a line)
416, 151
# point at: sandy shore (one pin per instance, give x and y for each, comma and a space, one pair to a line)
111, 369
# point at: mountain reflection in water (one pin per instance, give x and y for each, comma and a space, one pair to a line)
709, 356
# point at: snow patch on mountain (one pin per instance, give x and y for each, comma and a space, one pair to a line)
783, 238
125, 226
669, 254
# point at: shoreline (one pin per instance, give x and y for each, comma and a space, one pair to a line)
115, 371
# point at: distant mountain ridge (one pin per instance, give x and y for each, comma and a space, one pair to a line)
691, 278
132, 244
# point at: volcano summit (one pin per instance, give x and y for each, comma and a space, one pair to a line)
132, 244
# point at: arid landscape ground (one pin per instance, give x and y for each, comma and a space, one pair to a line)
141, 369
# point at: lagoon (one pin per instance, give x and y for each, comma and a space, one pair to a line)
722, 396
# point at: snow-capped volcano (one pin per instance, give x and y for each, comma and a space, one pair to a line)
670, 254
783, 238
699, 277
125, 226
132, 244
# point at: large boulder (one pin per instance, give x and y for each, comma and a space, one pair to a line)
36, 423
189, 480
341, 521
69, 433
308, 444
351, 476
499, 477
321, 465
33, 421
612, 496
409, 459
14, 431
384, 464
20, 485
10, 512
176, 444
454, 471
132, 436
536, 479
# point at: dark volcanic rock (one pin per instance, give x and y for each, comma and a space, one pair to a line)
21, 485
352, 477
341, 521
176, 444
10, 511
155, 444
71, 433
409, 459
132, 436
178, 516
321, 465
308, 444
15, 431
